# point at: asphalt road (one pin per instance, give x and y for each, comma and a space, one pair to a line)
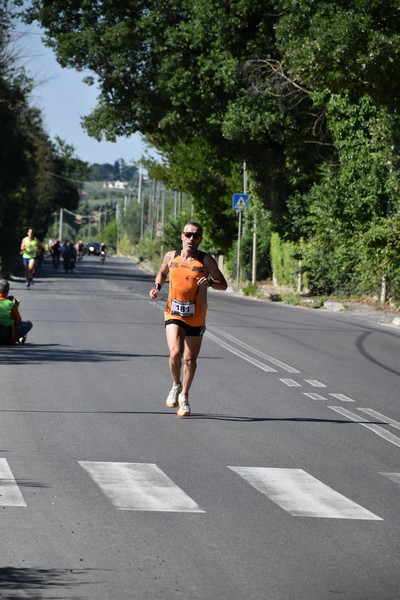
282, 485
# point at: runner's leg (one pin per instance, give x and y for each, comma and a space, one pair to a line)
192, 349
31, 266
26, 267
175, 340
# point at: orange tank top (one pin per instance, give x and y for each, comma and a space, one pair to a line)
186, 300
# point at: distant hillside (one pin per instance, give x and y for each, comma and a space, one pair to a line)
95, 194
108, 172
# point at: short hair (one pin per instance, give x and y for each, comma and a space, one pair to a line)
196, 225
4, 286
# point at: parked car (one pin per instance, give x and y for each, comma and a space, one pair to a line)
92, 248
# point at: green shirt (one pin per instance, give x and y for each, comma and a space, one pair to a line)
30, 247
6, 307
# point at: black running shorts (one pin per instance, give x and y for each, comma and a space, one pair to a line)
190, 331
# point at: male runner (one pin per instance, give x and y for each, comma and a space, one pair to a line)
28, 250
191, 273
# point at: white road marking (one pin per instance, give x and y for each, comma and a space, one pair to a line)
315, 383
314, 396
389, 437
249, 359
393, 476
267, 357
302, 495
10, 494
139, 486
381, 417
341, 397
290, 382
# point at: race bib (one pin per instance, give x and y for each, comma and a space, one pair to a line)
184, 309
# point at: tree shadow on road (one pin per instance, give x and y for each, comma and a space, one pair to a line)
30, 583
57, 353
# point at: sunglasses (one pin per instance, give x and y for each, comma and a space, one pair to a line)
191, 234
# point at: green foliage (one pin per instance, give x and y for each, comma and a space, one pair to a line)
342, 45
291, 298
209, 179
338, 211
173, 230
36, 175
331, 263
150, 250
284, 263
252, 289
109, 236
125, 246
378, 253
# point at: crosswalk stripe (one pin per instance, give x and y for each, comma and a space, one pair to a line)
139, 486
301, 494
10, 494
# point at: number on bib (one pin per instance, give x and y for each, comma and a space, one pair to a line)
184, 309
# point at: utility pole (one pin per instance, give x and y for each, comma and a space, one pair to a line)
254, 257
140, 200
60, 231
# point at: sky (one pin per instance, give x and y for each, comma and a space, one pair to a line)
63, 99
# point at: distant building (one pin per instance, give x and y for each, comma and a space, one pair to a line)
115, 185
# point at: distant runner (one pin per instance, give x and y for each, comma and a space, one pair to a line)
29, 246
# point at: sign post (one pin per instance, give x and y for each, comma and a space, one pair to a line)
240, 203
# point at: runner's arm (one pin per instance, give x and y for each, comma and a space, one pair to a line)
15, 314
161, 275
215, 278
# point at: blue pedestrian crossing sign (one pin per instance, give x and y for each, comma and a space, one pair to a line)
240, 202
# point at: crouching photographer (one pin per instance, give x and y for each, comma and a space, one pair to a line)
12, 329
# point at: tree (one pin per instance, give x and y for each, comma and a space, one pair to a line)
36, 176
183, 77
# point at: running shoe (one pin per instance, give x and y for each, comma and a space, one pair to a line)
28, 285
184, 408
172, 399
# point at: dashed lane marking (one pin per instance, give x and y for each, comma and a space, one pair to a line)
241, 354
342, 397
393, 477
383, 433
290, 382
314, 396
381, 417
315, 383
266, 357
